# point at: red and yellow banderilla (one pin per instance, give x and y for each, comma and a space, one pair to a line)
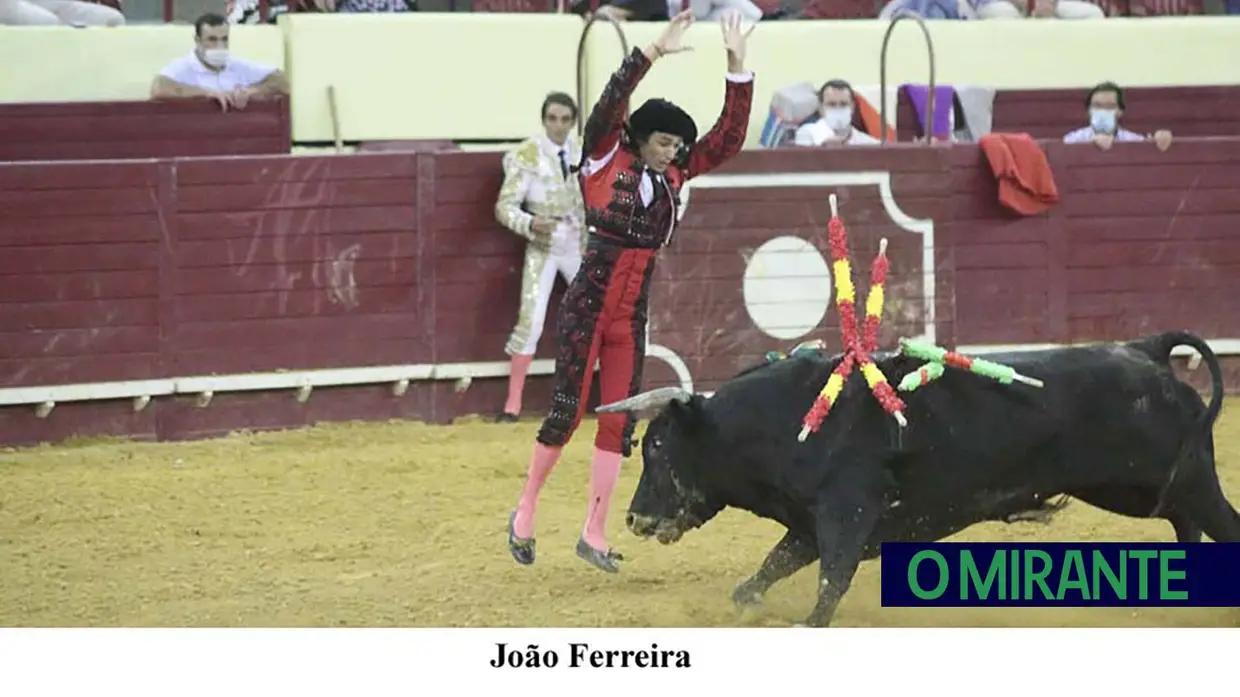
856, 350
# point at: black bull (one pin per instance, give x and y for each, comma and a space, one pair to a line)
1113, 427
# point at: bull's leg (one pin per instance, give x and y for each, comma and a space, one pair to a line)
791, 554
843, 525
1200, 495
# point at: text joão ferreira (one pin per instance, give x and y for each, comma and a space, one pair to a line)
1060, 574
584, 656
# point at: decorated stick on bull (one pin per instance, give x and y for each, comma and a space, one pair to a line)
841, 269
979, 366
855, 352
874, 299
845, 300
924, 375
879, 386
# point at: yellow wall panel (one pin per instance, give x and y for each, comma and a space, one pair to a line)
426, 75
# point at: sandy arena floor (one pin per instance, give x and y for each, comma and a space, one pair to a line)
402, 524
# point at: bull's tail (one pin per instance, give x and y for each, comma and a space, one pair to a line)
1159, 348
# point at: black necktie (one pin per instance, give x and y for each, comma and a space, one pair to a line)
563, 164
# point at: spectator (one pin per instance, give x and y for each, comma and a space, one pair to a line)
663, 10
1105, 103
838, 107
53, 12
994, 9
209, 71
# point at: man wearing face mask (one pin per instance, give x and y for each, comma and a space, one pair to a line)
209, 71
632, 173
1105, 103
837, 106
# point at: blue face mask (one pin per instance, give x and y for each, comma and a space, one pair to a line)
1102, 120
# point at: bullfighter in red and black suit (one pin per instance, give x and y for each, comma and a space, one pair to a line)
631, 177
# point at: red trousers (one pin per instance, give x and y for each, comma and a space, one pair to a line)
602, 318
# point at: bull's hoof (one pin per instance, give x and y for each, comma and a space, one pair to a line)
604, 561
1041, 515
521, 548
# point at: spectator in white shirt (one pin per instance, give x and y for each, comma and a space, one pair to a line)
209, 71
1105, 103
837, 107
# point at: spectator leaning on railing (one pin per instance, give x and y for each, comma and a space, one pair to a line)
53, 12
1105, 103
209, 71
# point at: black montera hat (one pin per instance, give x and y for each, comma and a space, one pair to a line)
665, 117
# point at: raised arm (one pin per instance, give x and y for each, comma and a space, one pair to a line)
602, 129
726, 138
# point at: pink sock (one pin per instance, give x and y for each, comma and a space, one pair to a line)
604, 471
518, 367
541, 464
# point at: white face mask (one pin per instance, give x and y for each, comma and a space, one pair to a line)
837, 119
215, 57
1102, 120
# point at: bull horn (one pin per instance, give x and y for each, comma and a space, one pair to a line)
653, 399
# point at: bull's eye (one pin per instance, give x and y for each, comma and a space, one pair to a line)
655, 442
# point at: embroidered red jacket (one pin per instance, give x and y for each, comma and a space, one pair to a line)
612, 177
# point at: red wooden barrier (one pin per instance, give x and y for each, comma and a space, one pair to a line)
178, 268
133, 130
1187, 111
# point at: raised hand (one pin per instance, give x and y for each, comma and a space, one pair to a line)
734, 39
670, 40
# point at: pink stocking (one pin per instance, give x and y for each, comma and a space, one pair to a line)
604, 471
519, 366
541, 464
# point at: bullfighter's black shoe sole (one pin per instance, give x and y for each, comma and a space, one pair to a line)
605, 561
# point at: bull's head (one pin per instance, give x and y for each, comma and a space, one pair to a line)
671, 496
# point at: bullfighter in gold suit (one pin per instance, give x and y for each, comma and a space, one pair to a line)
540, 200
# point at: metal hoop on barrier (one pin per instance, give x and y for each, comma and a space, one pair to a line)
581, 57
904, 14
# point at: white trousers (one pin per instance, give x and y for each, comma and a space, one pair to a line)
54, 12
537, 281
